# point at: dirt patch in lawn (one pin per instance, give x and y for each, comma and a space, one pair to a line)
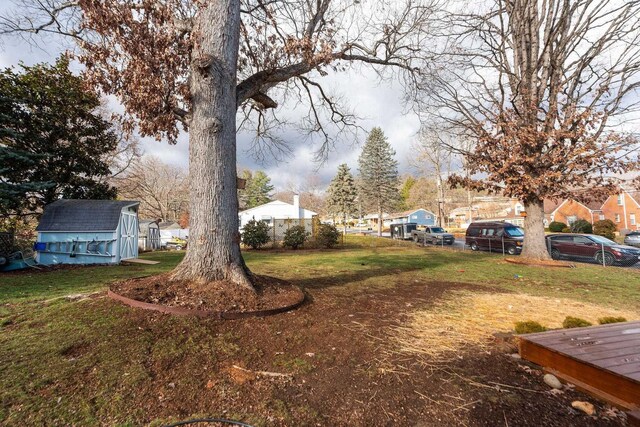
540, 262
271, 293
333, 362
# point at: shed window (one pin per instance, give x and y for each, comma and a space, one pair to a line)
619, 199
571, 219
617, 217
632, 219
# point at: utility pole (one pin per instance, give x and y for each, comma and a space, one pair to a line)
440, 199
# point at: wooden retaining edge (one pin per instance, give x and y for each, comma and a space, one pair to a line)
222, 315
538, 264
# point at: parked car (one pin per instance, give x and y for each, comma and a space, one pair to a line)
433, 235
495, 236
402, 231
590, 247
363, 224
632, 239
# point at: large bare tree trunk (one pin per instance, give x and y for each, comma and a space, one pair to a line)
534, 238
213, 252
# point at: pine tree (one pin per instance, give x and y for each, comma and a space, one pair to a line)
52, 142
378, 174
258, 189
342, 194
13, 193
405, 192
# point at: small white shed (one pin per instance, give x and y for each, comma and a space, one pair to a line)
148, 235
88, 232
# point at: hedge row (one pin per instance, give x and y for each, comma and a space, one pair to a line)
256, 234
605, 228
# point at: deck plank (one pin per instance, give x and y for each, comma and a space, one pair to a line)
140, 261
571, 331
615, 360
589, 333
599, 354
595, 345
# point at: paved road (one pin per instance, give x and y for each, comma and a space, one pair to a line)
458, 244
373, 233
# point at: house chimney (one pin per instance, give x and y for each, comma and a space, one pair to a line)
296, 205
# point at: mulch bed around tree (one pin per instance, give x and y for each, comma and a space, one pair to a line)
215, 297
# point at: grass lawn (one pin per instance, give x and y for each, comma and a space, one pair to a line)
95, 362
32, 285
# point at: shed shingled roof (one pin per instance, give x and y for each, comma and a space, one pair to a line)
82, 215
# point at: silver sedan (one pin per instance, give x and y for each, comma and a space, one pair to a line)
632, 239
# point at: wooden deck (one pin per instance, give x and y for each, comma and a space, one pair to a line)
601, 360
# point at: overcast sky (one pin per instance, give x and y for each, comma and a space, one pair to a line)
377, 103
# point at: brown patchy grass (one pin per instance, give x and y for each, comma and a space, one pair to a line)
464, 319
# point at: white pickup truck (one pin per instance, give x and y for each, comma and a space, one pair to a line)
434, 235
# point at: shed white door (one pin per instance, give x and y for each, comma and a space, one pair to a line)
154, 238
128, 235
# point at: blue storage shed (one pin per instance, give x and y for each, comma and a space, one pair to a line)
418, 216
88, 232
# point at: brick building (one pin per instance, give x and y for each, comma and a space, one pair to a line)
571, 210
623, 209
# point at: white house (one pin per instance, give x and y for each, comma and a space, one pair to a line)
276, 210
